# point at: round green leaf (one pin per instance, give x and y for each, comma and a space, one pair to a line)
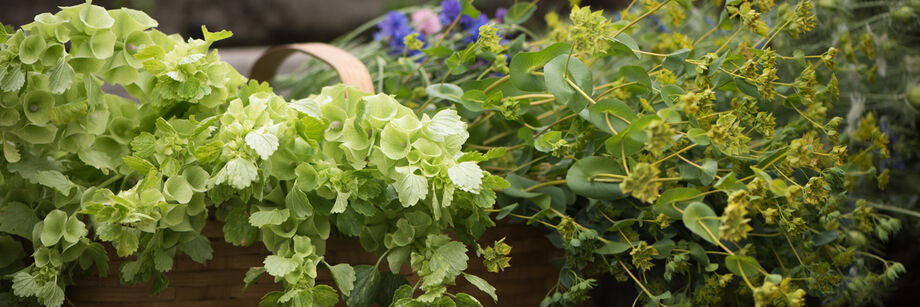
670, 199
698, 136
520, 12
612, 248
53, 227
698, 217
580, 175
636, 74
524, 63
746, 265
555, 77
610, 110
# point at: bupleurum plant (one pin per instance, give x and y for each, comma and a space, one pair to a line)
195, 140
695, 158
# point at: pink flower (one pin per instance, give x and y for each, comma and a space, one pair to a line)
426, 22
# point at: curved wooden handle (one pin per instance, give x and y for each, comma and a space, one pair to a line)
351, 71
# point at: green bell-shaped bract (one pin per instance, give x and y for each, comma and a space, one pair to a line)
37, 106
381, 108
395, 141
129, 21
31, 48
336, 116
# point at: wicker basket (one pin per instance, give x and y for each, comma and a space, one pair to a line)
219, 282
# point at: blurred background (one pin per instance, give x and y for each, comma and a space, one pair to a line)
261, 22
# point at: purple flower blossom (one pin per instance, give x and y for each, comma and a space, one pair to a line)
500, 14
394, 26
450, 9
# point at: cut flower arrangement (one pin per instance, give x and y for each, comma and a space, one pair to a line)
688, 149
82, 167
690, 158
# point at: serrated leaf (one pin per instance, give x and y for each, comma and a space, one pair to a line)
264, 144
466, 175
199, 249
344, 276
55, 180
60, 77
279, 266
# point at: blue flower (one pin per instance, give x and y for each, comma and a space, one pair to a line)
472, 25
450, 9
394, 26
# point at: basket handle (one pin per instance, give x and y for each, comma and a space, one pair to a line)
351, 70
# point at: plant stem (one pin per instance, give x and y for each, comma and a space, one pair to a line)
544, 184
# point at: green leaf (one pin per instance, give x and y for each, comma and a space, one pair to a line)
389, 285
821, 238
324, 296
698, 136
264, 144
546, 141
710, 167
636, 74
211, 37
623, 45
237, 229
279, 266
366, 285
697, 216
411, 188
53, 227
127, 243
613, 111
55, 180
138, 165
557, 81
344, 276
746, 265
252, 276
12, 250
466, 300
445, 91
466, 175
199, 249
238, 173
177, 188
612, 248
482, 284
519, 13
669, 93
60, 77
269, 217
524, 63
670, 197
580, 178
